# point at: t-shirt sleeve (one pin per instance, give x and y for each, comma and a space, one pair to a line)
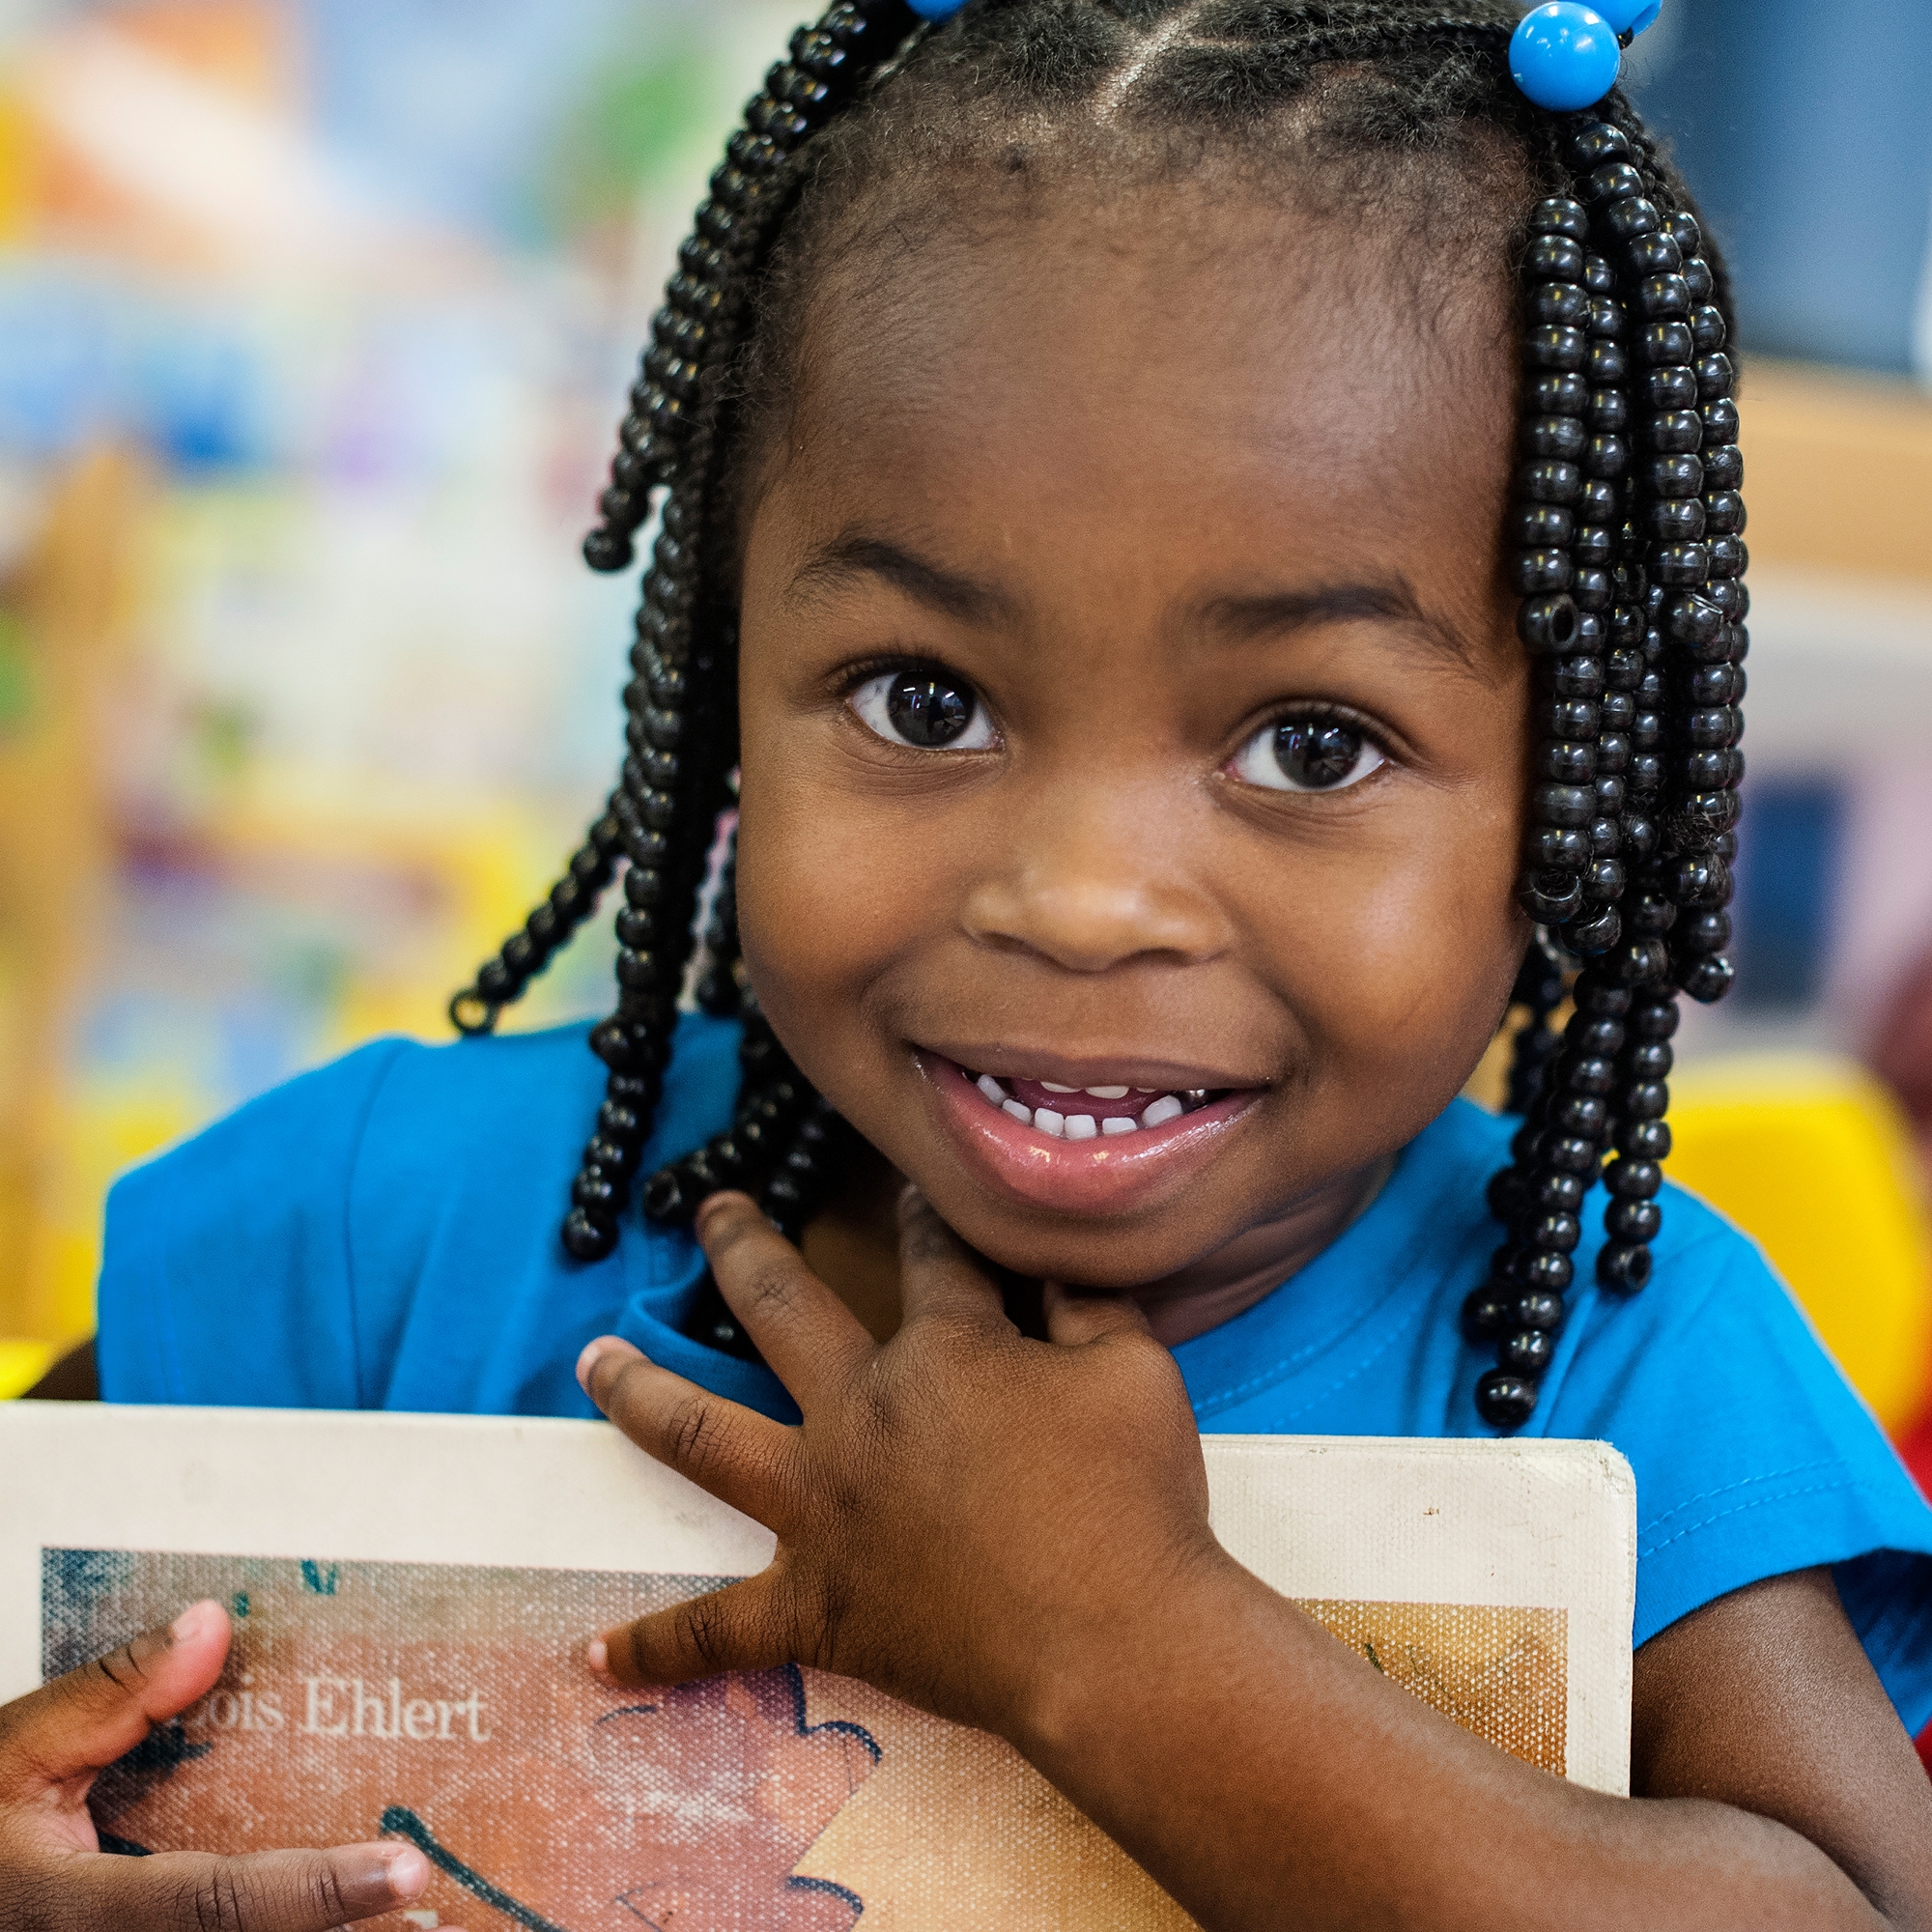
227, 1275
1753, 1457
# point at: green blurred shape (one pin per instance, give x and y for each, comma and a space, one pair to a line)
631, 129
17, 683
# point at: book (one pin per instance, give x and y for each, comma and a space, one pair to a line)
411, 1597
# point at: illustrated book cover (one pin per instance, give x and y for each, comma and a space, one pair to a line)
412, 1595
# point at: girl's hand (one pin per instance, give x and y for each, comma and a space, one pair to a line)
55, 1878
961, 1513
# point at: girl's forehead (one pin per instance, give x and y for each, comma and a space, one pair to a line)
1208, 373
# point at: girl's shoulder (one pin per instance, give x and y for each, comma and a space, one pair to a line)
381, 1231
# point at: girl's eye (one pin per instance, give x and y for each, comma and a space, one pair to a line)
1307, 754
931, 710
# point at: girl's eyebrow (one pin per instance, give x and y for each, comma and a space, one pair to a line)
1389, 601
853, 554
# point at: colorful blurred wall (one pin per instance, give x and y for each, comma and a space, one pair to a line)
315, 318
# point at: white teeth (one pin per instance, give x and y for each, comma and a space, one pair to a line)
992, 1090
1050, 1123
1120, 1124
1107, 1093
1052, 1089
1166, 1108
1081, 1128
1023, 1114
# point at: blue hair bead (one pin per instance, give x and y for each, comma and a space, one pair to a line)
1630, 17
1565, 56
944, 10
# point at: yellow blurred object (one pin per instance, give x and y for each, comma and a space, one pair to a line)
21, 1364
1811, 1156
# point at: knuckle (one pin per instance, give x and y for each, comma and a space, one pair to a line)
692, 1435
325, 1895
772, 1286
706, 1632
220, 1902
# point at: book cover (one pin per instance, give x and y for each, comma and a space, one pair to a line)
411, 1597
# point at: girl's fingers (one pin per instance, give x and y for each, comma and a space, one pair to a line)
271, 1891
938, 1273
809, 1336
85, 1720
738, 1628
742, 1458
1073, 1319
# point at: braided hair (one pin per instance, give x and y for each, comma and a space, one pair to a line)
1624, 543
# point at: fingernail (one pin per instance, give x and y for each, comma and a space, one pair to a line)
586, 1362
406, 1870
597, 1655
194, 1621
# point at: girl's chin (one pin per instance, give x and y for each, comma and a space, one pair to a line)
1102, 1170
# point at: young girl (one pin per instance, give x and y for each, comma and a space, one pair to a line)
1210, 529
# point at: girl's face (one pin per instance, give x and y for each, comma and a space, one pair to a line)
1186, 530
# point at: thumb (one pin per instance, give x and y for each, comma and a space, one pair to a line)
742, 1627
82, 1722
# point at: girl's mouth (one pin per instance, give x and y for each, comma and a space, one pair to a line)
1082, 1113
1100, 1149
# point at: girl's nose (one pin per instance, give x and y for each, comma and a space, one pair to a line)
1090, 889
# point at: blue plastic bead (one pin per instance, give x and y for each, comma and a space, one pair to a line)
1630, 17
936, 9
1565, 56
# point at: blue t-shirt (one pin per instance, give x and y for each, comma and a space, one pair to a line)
382, 1234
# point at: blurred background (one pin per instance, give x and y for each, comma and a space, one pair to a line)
315, 320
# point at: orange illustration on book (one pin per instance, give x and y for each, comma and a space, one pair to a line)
449, 1705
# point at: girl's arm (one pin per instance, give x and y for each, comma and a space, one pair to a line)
1013, 1534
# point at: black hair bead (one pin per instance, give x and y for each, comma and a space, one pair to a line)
1596, 142
1560, 304
1607, 365
1607, 458
1644, 1140
1729, 556
1607, 319
1614, 181
1674, 432
1675, 522
1665, 342
1529, 1351
1709, 980
1633, 1180
1567, 761
1603, 884
1630, 218
1654, 255
1547, 626
1487, 1310
1610, 412
1554, 257
1561, 436
1505, 1400
1724, 467
1559, 214
1544, 525
1560, 348
1556, 392
1623, 1269
1708, 328
1572, 1154
1552, 896
1599, 277
1662, 297
1681, 565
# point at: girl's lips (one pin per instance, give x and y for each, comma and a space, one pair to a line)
1110, 1173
